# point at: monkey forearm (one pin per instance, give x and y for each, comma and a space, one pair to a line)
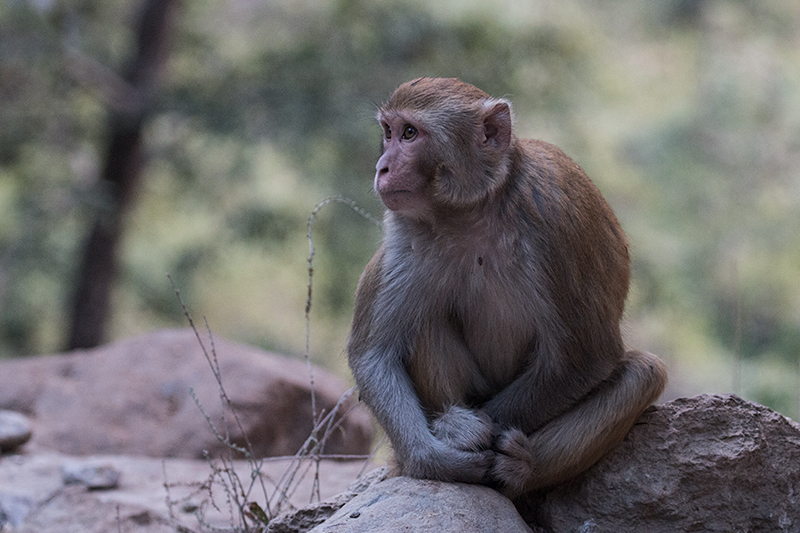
386, 388
389, 392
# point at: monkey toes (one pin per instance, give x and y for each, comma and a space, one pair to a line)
513, 463
464, 429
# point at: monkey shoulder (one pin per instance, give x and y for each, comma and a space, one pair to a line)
552, 174
560, 192
393, 279
370, 278
574, 227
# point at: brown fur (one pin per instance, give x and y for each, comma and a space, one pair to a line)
486, 330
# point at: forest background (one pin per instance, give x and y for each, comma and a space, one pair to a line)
686, 113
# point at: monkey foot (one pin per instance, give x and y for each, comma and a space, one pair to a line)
513, 463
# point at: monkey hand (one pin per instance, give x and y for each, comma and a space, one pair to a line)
459, 451
443, 462
514, 463
464, 429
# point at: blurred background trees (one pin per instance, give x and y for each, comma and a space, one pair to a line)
686, 113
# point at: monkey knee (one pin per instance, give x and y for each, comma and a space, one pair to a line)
464, 429
649, 372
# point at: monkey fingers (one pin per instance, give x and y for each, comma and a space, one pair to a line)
445, 463
464, 429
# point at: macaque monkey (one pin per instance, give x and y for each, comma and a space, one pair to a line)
486, 336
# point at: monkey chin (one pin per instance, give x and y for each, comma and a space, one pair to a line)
406, 203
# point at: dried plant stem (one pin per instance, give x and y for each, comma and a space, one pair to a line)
246, 515
357, 209
238, 494
318, 446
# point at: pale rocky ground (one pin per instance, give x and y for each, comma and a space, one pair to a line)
34, 497
127, 410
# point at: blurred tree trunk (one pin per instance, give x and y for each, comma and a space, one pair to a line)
121, 176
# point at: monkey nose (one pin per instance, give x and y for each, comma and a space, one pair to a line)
382, 166
381, 173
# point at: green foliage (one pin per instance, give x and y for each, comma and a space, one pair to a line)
686, 113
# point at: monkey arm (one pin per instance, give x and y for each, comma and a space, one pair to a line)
387, 389
377, 349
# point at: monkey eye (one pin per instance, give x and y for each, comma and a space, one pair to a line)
409, 132
387, 132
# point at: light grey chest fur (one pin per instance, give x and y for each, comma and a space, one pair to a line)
478, 286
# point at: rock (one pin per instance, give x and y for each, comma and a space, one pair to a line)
92, 476
709, 463
13, 509
15, 430
405, 504
310, 516
135, 397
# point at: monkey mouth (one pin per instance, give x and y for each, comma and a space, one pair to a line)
389, 194
395, 200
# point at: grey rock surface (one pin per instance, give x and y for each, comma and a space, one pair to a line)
307, 517
91, 475
13, 509
413, 505
15, 430
708, 463
34, 498
74, 510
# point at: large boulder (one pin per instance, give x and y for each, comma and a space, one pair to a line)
136, 397
709, 463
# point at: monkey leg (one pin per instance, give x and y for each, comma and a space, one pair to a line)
576, 440
464, 429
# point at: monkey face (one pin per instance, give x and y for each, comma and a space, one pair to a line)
400, 179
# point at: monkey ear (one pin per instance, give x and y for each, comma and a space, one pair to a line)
497, 126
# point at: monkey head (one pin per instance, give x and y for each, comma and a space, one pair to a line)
446, 144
